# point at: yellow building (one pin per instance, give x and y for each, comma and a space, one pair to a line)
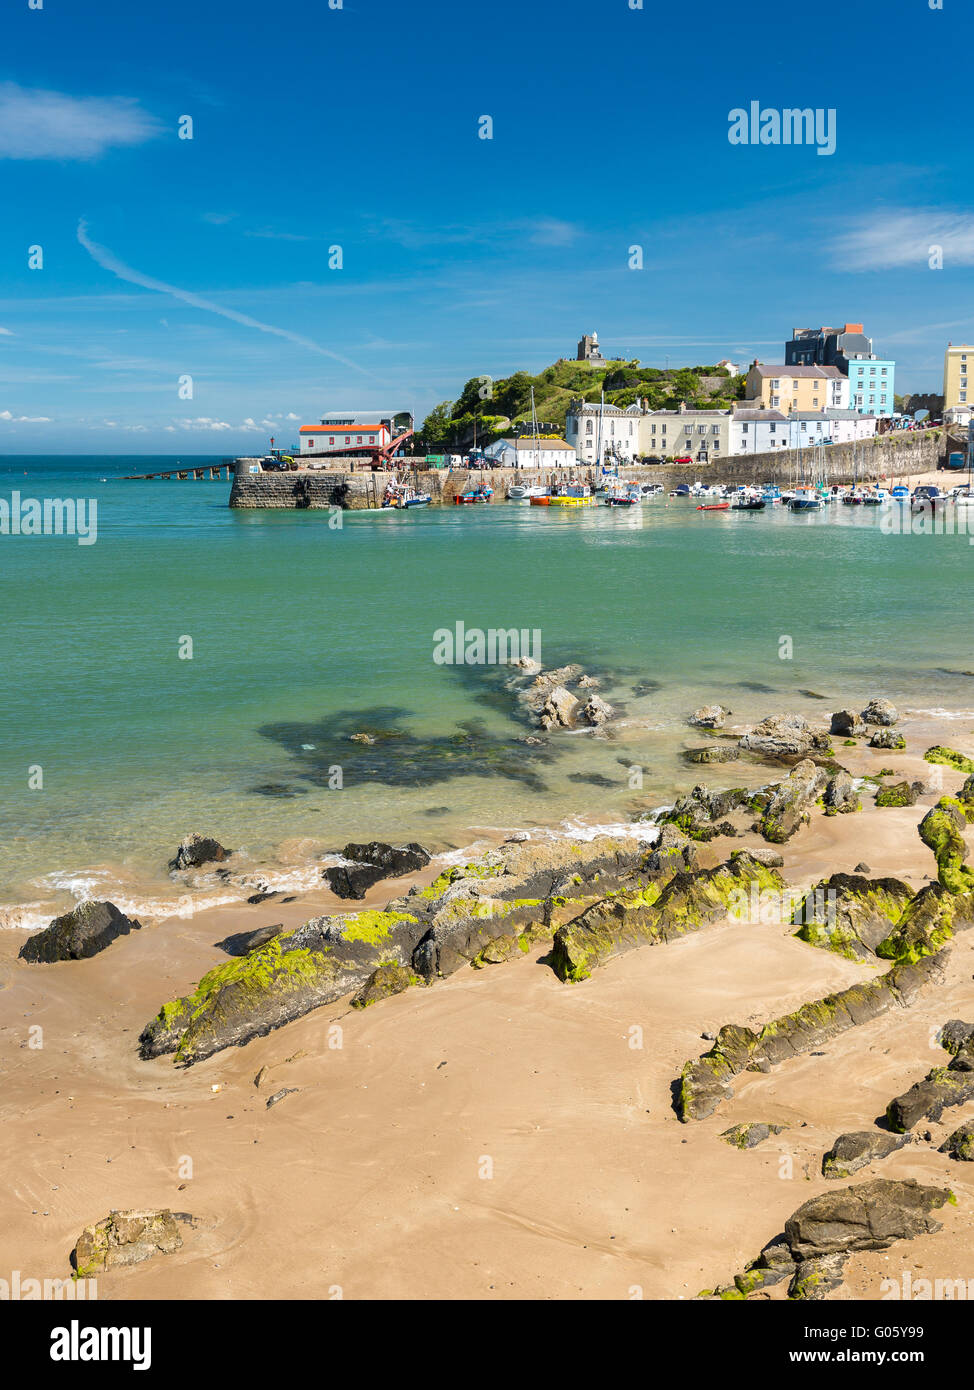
956, 361
793, 388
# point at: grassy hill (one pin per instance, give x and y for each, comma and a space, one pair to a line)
496, 406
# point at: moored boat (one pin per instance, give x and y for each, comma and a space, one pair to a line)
804, 500
572, 495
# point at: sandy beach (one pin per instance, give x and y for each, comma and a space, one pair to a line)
498, 1135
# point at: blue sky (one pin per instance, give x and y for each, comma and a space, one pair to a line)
315, 127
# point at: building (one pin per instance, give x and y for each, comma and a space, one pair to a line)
791, 388
531, 452
871, 385
703, 435
956, 361
345, 432
755, 431
732, 367
597, 432
588, 350
959, 415
851, 351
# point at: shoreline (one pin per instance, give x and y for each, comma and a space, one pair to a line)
596, 1186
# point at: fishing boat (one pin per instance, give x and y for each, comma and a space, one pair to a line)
749, 502
853, 498
771, 493
804, 500
570, 495
402, 495
651, 490
927, 497
875, 497
481, 493
627, 495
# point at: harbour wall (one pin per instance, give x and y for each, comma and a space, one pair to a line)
896, 455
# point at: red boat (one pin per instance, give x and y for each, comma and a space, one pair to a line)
714, 507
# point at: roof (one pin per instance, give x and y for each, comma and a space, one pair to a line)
759, 415
340, 429
530, 441
787, 369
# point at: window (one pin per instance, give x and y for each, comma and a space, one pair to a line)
371, 438
311, 443
775, 384
773, 427
744, 428
775, 400
716, 445
715, 429
331, 439
963, 395
348, 439
588, 426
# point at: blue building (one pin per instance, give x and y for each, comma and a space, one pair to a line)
871, 385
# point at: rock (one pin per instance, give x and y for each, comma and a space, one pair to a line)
709, 717
770, 858
869, 1216
279, 1096
960, 1144
713, 753
195, 850
880, 711
941, 830
791, 803
79, 934
373, 862
850, 1152
949, 757
588, 683
385, 981
841, 797
861, 868
928, 1099
847, 724
954, 1035
367, 739
814, 1279
560, 710
887, 738
927, 924
780, 736
242, 942
527, 664
851, 915
705, 1081
125, 1238
596, 711
748, 1136
654, 912
896, 794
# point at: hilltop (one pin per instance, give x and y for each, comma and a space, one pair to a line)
497, 406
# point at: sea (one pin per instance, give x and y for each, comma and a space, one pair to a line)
204, 669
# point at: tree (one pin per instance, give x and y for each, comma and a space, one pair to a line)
686, 384
437, 427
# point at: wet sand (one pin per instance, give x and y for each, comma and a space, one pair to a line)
498, 1135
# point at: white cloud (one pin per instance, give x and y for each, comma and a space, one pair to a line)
204, 422
25, 419
110, 262
291, 416
6, 333
893, 238
36, 124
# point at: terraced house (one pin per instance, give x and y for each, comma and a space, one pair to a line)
781, 387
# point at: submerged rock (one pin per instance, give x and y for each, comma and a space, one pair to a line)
195, 850
850, 1152
713, 753
709, 717
79, 934
125, 1238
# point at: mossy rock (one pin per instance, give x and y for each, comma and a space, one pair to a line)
949, 757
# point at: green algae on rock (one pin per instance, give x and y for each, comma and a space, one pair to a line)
850, 914
949, 757
941, 831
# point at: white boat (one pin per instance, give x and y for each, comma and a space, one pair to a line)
517, 492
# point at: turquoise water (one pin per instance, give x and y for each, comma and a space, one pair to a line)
302, 634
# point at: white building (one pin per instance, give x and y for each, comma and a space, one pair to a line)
528, 452
759, 431
703, 435
598, 432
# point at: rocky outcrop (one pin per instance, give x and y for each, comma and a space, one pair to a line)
840, 796
81, 933
596, 711
370, 864
822, 1234
942, 1087
709, 717
949, 757
880, 711
850, 1152
125, 1238
941, 830
851, 915
887, 738
385, 981
897, 794
748, 1136
790, 805
927, 924
196, 850
783, 736
713, 753
847, 724
960, 1144
560, 710
705, 1081
668, 904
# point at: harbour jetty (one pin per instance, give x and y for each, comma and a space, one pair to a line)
353, 487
